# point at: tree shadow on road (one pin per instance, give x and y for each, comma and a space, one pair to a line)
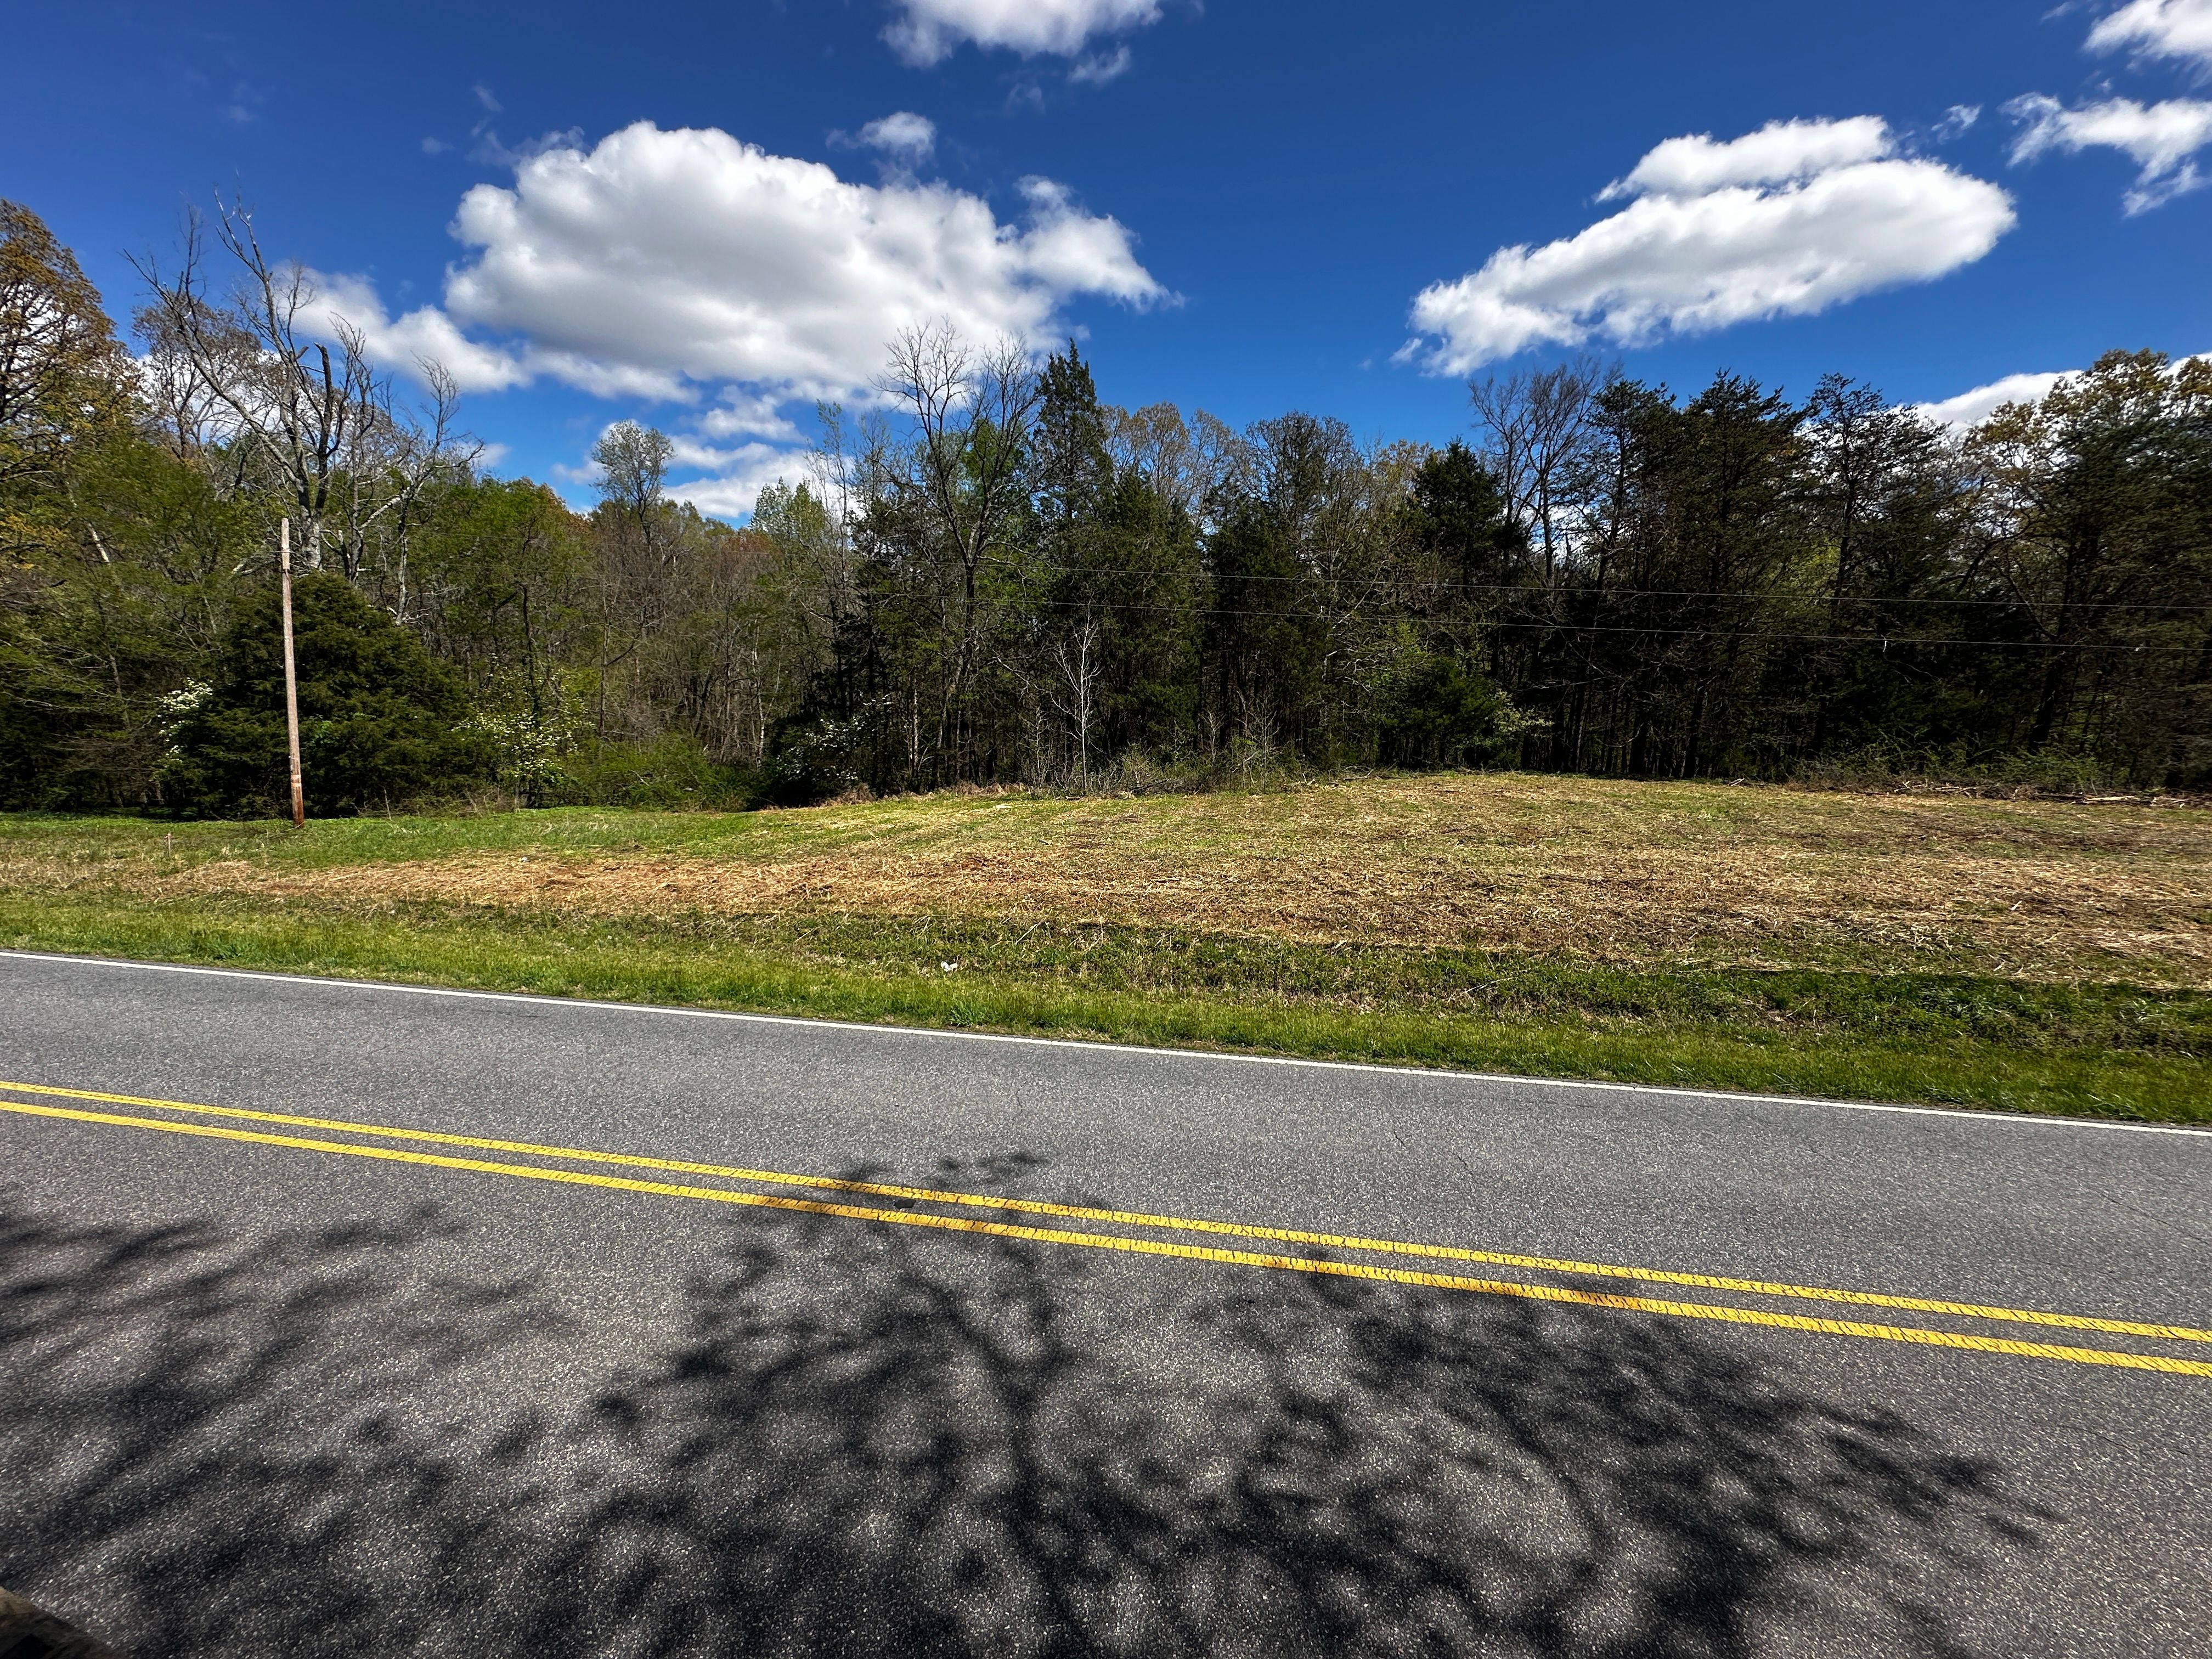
873, 1440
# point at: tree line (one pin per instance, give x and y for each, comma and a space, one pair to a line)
990, 574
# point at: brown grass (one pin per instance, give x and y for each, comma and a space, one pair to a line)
1613, 872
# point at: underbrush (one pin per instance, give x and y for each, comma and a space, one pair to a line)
2049, 774
669, 773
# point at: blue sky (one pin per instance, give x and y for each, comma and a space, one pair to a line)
623, 210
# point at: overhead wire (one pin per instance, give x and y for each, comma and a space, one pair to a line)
1722, 631
1665, 593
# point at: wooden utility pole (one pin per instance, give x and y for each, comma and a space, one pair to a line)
291, 676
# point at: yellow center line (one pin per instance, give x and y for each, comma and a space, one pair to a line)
1170, 1223
1725, 1315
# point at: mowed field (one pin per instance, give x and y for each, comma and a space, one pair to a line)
2039, 955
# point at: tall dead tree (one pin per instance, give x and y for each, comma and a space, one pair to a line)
284, 389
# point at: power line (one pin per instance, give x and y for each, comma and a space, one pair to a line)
1885, 640
1605, 593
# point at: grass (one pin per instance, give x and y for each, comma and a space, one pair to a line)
2031, 955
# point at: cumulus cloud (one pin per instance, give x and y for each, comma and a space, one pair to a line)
2158, 28
744, 413
689, 267
734, 476
659, 260
658, 264
1779, 153
1784, 221
925, 32
2161, 139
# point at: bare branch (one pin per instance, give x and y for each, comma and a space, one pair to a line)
249, 375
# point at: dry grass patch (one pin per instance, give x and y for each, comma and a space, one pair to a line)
1616, 873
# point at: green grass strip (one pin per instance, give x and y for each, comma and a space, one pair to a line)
2098, 1051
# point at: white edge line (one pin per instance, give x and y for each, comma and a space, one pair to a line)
398, 988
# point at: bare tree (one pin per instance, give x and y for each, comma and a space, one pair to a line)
1536, 426
249, 372
1078, 657
1186, 463
192, 423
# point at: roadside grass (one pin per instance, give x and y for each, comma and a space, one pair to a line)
2094, 1050
2033, 956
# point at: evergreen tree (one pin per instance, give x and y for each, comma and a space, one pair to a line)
381, 725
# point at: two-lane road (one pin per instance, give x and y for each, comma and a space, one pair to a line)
344, 1319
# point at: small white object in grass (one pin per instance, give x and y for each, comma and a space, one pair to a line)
948, 966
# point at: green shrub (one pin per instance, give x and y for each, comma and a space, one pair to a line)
670, 771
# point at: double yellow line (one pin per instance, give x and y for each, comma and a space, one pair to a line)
1726, 1313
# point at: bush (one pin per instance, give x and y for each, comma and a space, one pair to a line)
380, 724
670, 771
1447, 714
812, 764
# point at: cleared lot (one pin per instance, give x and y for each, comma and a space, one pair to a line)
2029, 953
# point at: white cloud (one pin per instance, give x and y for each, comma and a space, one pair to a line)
1779, 153
424, 335
747, 414
927, 31
1956, 122
663, 257
494, 153
903, 135
689, 267
2161, 139
660, 263
1072, 252
1973, 407
2158, 28
1784, 221
734, 476
731, 499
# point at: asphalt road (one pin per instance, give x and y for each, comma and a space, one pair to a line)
271, 1387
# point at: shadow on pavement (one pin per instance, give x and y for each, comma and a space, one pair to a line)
872, 1441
